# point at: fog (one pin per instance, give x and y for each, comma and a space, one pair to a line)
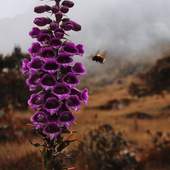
124, 27
11, 8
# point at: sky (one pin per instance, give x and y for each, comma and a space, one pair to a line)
12, 8
123, 27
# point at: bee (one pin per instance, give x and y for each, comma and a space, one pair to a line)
99, 57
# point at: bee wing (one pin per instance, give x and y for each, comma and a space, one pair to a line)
104, 59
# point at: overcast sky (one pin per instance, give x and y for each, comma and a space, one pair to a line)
11, 8
126, 27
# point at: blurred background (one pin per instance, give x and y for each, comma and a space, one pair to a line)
126, 124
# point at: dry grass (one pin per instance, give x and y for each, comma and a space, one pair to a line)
153, 105
89, 118
15, 156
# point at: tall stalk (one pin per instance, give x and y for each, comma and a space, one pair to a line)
52, 77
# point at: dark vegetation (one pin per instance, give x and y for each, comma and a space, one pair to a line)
139, 115
14, 127
13, 95
115, 104
13, 90
105, 149
154, 81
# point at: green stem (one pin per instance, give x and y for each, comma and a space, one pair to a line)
52, 162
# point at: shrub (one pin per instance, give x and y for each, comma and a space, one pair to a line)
105, 149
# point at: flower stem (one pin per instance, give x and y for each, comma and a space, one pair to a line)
52, 162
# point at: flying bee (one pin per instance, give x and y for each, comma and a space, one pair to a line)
99, 57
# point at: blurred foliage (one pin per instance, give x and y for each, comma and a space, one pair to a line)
154, 81
13, 90
30, 161
105, 149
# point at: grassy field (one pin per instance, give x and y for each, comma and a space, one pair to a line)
110, 104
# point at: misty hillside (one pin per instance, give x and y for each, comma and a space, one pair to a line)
127, 28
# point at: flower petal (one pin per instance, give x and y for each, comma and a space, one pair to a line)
71, 79
64, 60
35, 64
34, 32
61, 90
39, 119
73, 102
35, 48
52, 104
78, 68
36, 100
47, 52
84, 95
52, 130
50, 66
48, 81
66, 118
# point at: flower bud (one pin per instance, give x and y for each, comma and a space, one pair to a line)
42, 9
56, 42
59, 33
76, 26
55, 9
43, 37
69, 48
68, 3
34, 32
67, 26
64, 9
54, 25
78, 68
42, 21
80, 49
35, 48
58, 16
84, 95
